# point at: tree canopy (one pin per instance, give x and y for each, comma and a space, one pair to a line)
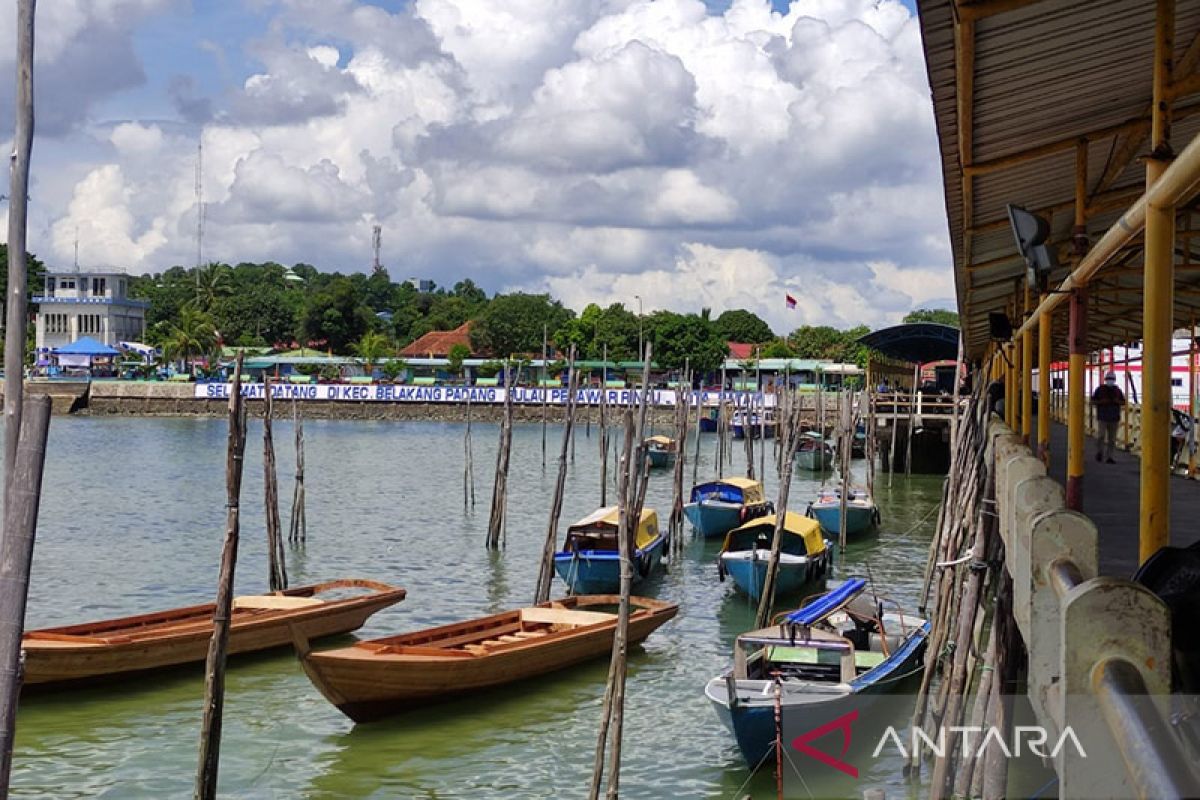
939, 315
740, 325
515, 323
685, 338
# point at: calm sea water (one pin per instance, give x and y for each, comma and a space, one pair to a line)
132, 521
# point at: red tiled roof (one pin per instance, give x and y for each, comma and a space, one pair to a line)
742, 351
437, 344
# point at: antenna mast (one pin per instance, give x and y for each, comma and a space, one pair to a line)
376, 244
200, 202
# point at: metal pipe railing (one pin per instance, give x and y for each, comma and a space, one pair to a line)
1152, 754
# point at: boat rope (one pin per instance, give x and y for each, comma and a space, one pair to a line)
955, 562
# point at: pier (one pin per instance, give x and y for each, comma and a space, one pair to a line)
1071, 159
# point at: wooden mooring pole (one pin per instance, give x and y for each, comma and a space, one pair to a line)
25, 424
788, 429
298, 524
630, 487
214, 670
496, 526
276, 560
546, 570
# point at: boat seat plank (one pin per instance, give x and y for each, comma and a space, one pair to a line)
410, 650
564, 616
531, 634
510, 639
274, 602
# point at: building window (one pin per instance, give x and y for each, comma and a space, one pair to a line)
99, 287
121, 287
1057, 383
1177, 381
66, 283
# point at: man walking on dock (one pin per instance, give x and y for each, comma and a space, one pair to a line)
1107, 400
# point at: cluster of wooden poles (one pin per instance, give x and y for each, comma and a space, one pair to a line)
972, 601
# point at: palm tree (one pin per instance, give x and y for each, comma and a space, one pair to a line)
372, 348
192, 336
213, 282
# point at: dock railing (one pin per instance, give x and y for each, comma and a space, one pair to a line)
1099, 647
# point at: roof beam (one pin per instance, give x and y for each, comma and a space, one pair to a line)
971, 10
1109, 201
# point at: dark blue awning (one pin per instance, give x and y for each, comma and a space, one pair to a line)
916, 342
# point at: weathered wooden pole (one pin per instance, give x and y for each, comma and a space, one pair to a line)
496, 524
542, 389
546, 570
681, 430
298, 524
789, 429
468, 460
847, 444
276, 560
604, 430
214, 672
20, 529
696, 456
25, 441
17, 321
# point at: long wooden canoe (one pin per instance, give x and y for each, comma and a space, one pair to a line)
126, 645
373, 679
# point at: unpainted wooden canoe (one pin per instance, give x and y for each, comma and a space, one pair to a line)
375, 678
94, 650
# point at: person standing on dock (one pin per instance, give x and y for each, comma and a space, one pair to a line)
1107, 400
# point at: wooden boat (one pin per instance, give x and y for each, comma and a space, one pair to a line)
662, 451
719, 506
861, 512
708, 420
803, 554
590, 563
759, 424
373, 679
135, 644
814, 452
839, 647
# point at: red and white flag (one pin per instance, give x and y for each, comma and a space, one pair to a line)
791, 301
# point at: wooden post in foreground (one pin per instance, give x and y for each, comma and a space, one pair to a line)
214, 669
20, 528
24, 444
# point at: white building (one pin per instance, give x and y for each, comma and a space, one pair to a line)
95, 304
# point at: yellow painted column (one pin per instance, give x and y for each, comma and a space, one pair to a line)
1043, 415
1192, 396
1012, 396
1076, 400
1027, 376
1158, 297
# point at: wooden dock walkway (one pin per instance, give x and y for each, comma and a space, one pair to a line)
1110, 498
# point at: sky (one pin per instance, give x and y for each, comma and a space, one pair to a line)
719, 154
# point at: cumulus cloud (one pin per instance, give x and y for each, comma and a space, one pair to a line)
595, 148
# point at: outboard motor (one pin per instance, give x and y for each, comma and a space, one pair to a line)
1173, 573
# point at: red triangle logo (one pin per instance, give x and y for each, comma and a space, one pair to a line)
842, 723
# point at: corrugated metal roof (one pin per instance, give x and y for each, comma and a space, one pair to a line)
1045, 75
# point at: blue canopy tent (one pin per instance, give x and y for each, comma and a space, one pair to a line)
84, 352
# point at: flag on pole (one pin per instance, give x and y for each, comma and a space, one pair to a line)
791, 301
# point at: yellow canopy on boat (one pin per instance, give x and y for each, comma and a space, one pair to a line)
659, 439
610, 517
795, 524
752, 490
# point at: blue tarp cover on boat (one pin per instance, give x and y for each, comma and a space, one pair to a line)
717, 490
87, 346
826, 605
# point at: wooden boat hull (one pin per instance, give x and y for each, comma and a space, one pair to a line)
753, 721
859, 519
375, 679
749, 571
599, 572
131, 645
